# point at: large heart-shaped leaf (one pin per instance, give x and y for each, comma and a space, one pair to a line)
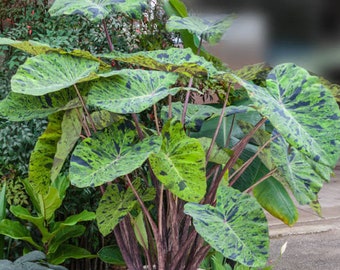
133, 8
180, 165
133, 93
182, 61
20, 107
94, 10
111, 153
210, 30
236, 227
71, 129
298, 171
41, 160
46, 73
302, 110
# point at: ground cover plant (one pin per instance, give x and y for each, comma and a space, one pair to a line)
175, 176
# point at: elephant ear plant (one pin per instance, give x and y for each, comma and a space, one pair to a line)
176, 188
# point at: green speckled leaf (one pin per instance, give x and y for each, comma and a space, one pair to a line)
133, 93
236, 227
197, 114
302, 110
180, 165
218, 155
304, 176
20, 107
182, 61
71, 129
46, 73
103, 119
41, 161
210, 30
15, 230
109, 154
252, 72
94, 10
133, 8
117, 203
273, 197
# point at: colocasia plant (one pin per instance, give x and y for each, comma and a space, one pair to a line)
175, 188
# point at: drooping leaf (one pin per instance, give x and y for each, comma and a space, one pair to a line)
41, 161
273, 197
236, 227
3, 201
66, 251
46, 73
111, 153
301, 173
24, 214
252, 72
140, 230
302, 110
197, 114
333, 87
63, 235
182, 61
20, 107
71, 129
133, 93
74, 219
103, 119
210, 30
49, 203
15, 230
94, 10
175, 7
113, 207
111, 255
180, 165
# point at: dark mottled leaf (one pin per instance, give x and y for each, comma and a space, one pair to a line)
46, 73
236, 227
182, 61
133, 93
180, 165
109, 154
302, 110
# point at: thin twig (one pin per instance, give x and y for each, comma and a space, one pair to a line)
245, 165
170, 106
156, 118
261, 180
230, 131
139, 130
160, 212
108, 37
186, 101
218, 125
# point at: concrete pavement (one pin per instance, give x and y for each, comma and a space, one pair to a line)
313, 243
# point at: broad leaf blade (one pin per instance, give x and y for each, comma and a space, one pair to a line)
302, 110
182, 61
236, 227
180, 165
111, 153
46, 73
133, 93
111, 255
66, 251
210, 30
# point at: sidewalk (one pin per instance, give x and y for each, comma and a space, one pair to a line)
313, 243
309, 221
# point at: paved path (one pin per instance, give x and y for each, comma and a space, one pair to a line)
313, 243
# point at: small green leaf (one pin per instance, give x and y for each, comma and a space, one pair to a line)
111, 153
133, 93
111, 255
180, 165
16, 230
3, 202
210, 30
49, 203
140, 230
67, 251
46, 73
236, 227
